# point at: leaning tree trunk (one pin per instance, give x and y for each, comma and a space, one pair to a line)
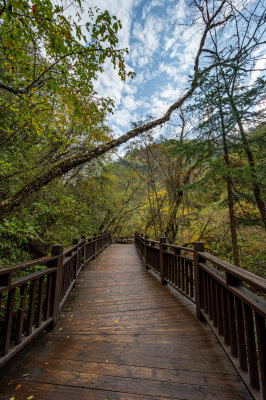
69, 163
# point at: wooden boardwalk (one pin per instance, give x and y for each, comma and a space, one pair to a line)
123, 336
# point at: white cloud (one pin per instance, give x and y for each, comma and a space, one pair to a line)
139, 79
171, 70
109, 84
148, 7
130, 88
259, 67
123, 10
169, 43
123, 118
143, 61
170, 93
149, 34
152, 41
178, 12
129, 103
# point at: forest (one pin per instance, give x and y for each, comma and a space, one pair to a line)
195, 172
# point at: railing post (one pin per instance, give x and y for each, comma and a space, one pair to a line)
162, 248
143, 247
5, 280
136, 241
95, 244
57, 250
231, 280
177, 267
146, 237
83, 238
198, 247
74, 243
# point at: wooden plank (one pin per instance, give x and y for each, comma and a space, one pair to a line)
261, 334
43, 391
123, 335
21, 314
37, 367
8, 321
251, 345
39, 309
31, 308
142, 386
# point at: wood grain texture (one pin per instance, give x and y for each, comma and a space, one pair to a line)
122, 335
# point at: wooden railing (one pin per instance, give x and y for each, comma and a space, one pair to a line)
227, 297
122, 240
33, 293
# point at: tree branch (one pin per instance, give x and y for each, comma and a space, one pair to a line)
69, 163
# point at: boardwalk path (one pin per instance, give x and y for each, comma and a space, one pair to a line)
123, 336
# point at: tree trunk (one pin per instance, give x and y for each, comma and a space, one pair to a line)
66, 165
255, 183
171, 228
229, 183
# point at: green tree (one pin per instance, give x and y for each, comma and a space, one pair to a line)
64, 75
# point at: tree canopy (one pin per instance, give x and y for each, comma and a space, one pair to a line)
58, 176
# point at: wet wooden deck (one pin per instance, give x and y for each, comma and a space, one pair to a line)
123, 335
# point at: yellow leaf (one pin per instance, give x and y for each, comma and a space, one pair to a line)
30, 397
18, 387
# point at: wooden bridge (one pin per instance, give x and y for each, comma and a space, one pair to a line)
122, 334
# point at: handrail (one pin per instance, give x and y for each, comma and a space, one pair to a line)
227, 297
32, 293
122, 239
27, 264
239, 273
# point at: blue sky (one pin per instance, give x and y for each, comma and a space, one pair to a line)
161, 54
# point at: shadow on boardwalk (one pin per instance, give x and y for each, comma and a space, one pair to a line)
122, 335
